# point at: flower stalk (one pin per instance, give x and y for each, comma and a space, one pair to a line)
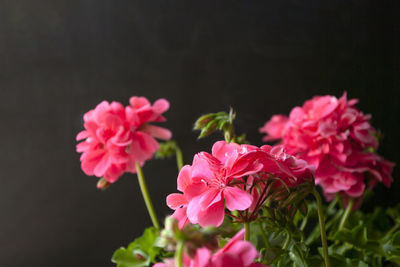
146, 196
179, 158
247, 231
346, 214
322, 226
179, 254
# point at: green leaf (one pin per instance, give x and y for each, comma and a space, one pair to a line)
357, 236
140, 252
125, 258
298, 254
269, 255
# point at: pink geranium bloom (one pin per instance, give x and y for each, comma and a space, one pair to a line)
211, 182
233, 176
236, 253
338, 139
115, 137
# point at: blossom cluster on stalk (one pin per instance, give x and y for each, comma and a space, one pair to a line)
235, 253
338, 139
117, 137
238, 177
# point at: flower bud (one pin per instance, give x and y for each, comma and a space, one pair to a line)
103, 184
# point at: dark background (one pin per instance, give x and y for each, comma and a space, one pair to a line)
58, 59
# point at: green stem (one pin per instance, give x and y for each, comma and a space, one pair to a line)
179, 254
285, 246
247, 231
264, 235
346, 214
287, 241
146, 196
304, 222
179, 158
322, 226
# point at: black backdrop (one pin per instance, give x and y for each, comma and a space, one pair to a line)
58, 59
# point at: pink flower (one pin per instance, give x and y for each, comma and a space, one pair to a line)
233, 176
115, 137
210, 183
337, 138
236, 253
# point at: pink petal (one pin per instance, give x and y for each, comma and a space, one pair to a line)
193, 209
237, 199
204, 166
184, 177
102, 166
157, 132
202, 258
143, 146
213, 215
176, 200
90, 160
138, 102
161, 105
244, 250
113, 173
210, 197
223, 150
82, 135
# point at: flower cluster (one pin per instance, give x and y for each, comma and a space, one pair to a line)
338, 139
235, 253
240, 177
117, 137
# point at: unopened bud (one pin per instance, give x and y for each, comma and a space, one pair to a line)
103, 184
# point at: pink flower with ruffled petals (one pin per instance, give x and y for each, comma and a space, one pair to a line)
115, 137
210, 183
338, 139
233, 176
236, 253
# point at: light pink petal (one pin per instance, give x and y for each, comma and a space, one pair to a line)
143, 146
202, 258
176, 200
82, 135
193, 209
195, 189
184, 177
204, 165
210, 197
243, 250
102, 166
82, 146
237, 237
138, 102
213, 215
223, 150
161, 105
90, 160
180, 215
157, 132
237, 199
113, 173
